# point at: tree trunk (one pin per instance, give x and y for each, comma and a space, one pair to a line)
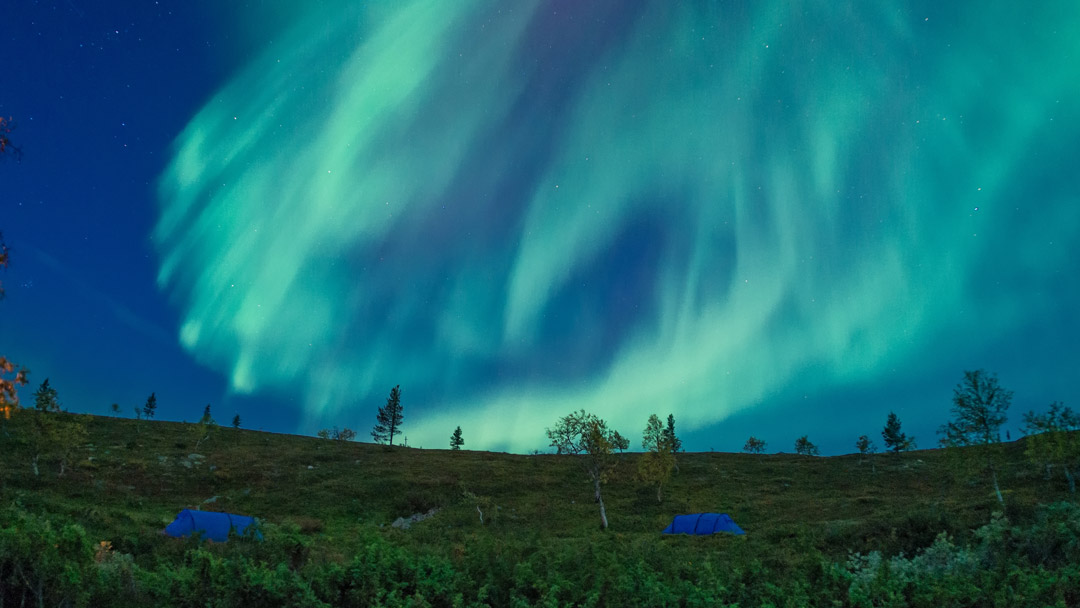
997, 489
600, 499
659, 488
34, 462
1069, 476
61, 468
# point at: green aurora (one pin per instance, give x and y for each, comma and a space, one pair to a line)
518, 209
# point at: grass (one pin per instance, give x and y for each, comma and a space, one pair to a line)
134, 476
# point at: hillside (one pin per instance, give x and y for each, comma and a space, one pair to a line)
332, 499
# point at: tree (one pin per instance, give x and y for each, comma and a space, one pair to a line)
151, 406
455, 440
669, 435
52, 432
388, 422
7, 125
45, 430
866, 447
754, 445
619, 442
115, 408
9, 386
236, 421
345, 434
46, 399
672, 439
979, 406
583, 434
657, 462
204, 428
804, 447
1053, 440
895, 441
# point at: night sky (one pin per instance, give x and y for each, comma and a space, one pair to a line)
768, 218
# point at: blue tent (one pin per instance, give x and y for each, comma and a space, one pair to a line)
703, 523
213, 526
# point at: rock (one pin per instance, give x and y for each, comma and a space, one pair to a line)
309, 467
186, 463
404, 523
210, 500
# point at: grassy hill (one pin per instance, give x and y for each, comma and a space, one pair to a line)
326, 502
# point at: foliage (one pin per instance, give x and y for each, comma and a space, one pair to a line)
1032, 565
10, 381
236, 421
7, 125
804, 447
583, 434
656, 464
895, 440
754, 445
345, 434
865, 445
46, 398
670, 437
1053, 439
979, 406
455, 439
150, 408
53, 434
389, 418
204, 428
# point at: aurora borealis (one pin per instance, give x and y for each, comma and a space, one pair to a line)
515, 210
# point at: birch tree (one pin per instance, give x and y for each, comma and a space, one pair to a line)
979, 406
588, 437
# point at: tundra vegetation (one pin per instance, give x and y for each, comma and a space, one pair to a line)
517, 530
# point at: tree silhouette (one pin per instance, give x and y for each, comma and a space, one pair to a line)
754, 445
455, 440
150, 408
979, 406
388, 421
896, 441
804, 447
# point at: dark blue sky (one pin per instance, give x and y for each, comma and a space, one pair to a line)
769, 220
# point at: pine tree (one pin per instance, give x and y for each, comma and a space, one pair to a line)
206, 419
388, 421
46, 399
151, 406
455, 440
670, 437
895, 441
116, 408
236, 421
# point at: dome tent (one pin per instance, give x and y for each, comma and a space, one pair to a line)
211, 525
700, 524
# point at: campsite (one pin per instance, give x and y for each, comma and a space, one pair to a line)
816, 529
